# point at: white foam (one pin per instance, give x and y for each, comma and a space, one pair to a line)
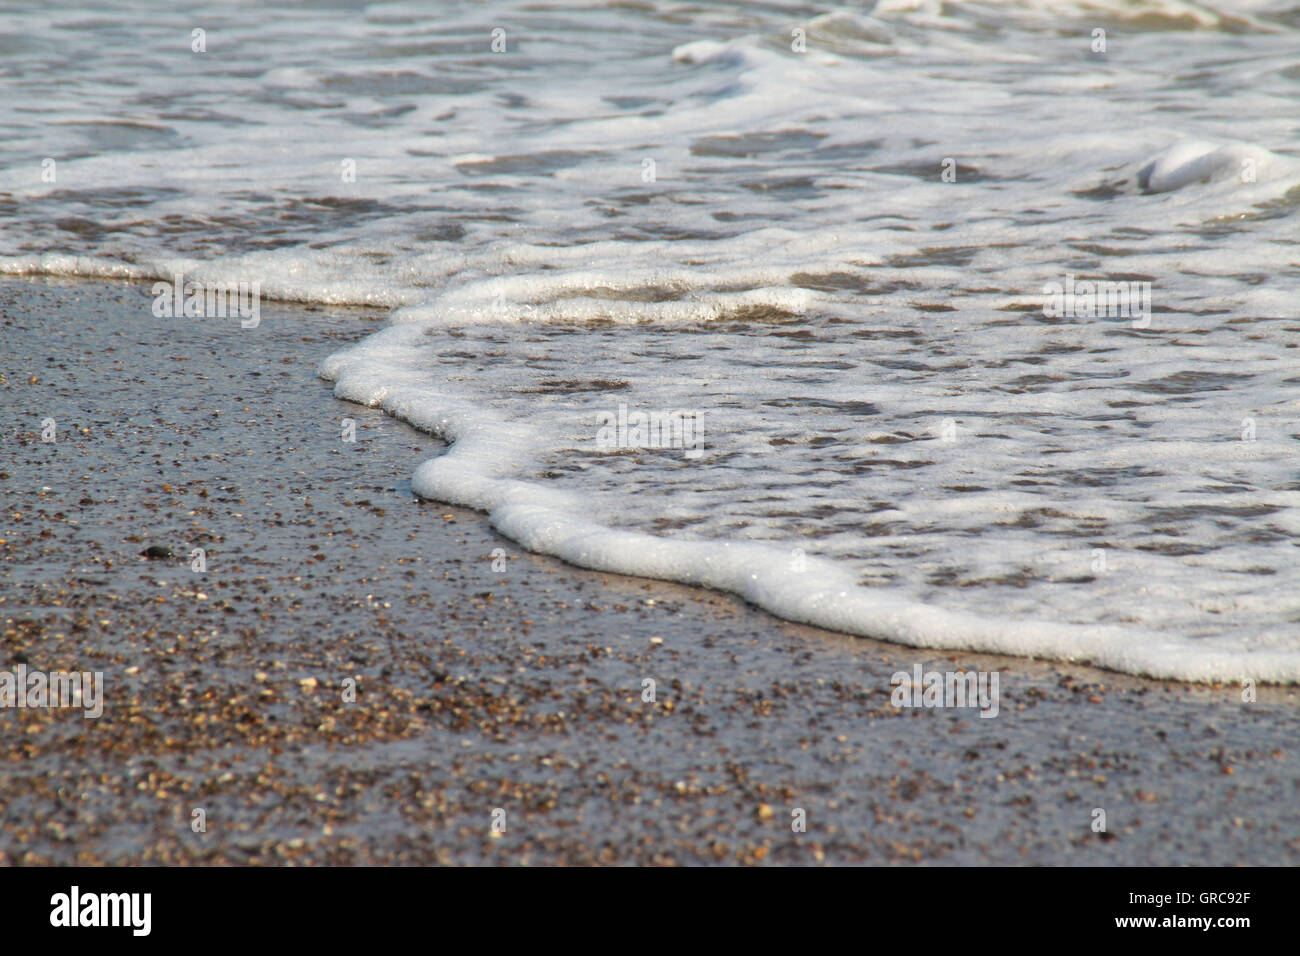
476, 472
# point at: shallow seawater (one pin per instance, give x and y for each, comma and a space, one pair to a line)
829, 250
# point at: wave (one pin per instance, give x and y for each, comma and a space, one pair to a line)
487, 456
830, 233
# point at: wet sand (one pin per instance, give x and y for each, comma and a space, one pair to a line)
480, 689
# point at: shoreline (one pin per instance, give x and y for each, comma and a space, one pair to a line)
479, 690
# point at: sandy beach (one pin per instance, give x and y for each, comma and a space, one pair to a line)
491, 679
